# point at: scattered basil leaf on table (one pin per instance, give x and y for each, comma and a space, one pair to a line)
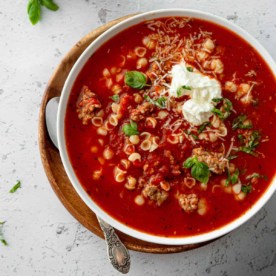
34, 9
130, 129
15, 187
49, 4
2, 239
136, 79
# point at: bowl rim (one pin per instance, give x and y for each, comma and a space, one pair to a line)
136, 19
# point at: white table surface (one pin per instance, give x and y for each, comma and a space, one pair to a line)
44, 239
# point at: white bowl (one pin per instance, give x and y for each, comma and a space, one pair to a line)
62, 110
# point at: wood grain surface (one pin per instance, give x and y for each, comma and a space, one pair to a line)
53, 166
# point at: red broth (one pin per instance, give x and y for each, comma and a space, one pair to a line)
169, 219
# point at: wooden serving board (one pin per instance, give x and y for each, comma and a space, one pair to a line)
53, 165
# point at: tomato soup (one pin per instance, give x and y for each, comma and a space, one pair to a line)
170, 126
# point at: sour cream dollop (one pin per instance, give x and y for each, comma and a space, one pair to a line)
201, 89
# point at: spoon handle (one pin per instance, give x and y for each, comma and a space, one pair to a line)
117, 252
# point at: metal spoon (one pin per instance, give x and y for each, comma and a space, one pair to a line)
116, 250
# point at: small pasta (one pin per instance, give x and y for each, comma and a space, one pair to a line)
151, 122
106, 73
189, 182
129, 149
202, 206
139, 200
154, 144
162, 114
97, 121
217, 66
97, 174
145, 135
131, 183
149, 43
146, 145
134, 139
173, 139
119, 175
230, 86
208, 45
165, 185
108, 153
125, 163
102, 131
108, 83
115, 107
140, 51
141, 63
113, 120
134, 156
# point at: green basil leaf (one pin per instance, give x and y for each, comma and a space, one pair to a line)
189, 162
239, 123
130, 129
203, 126
200, 172
179, 90
115, 98
246, 188
49, 4
257, 175
235, 176
15, 187
225, 111
160, 102
254, 141
33, 10
190, 69
2, 239
231, 157
136, 79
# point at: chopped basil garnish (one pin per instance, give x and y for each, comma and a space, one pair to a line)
15, 187
246, 188
190, 69
256, 175
253, 142
160, 102
199, 170
239, 123
233, 178
130, 129
231, 157
203, 126
179, 91
136, 79
115, 98
225, 111
191, 134
2, 239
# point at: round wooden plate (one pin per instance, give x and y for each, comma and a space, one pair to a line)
53, 165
